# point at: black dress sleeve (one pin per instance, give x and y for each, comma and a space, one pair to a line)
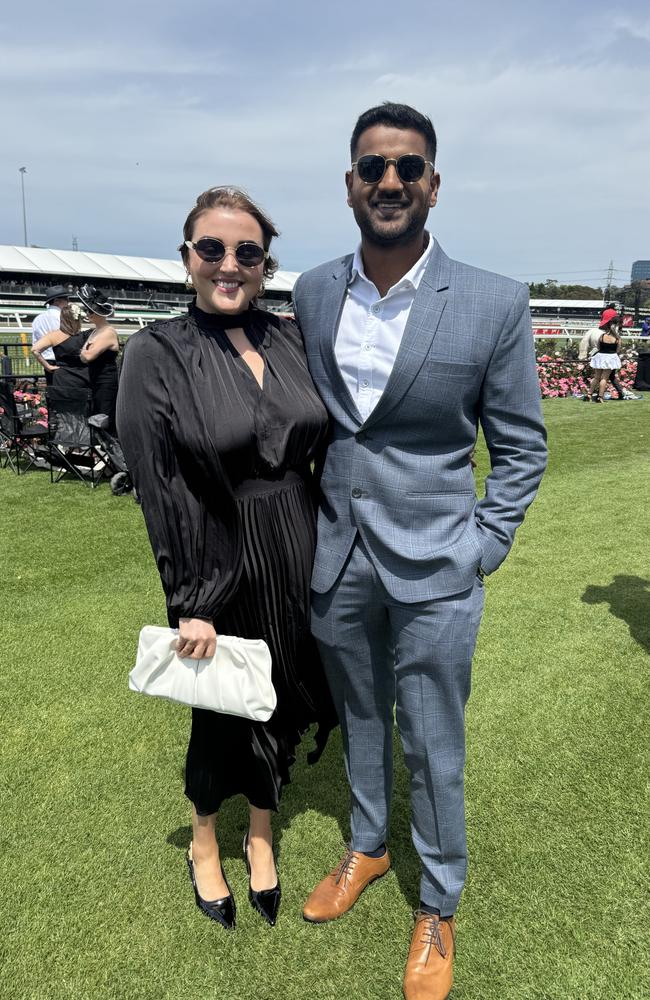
187, 503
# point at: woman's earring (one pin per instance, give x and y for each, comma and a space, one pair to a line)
188, 280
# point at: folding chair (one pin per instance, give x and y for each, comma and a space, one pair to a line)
16, 435
70, 437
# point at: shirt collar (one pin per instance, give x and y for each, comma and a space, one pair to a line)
412, 278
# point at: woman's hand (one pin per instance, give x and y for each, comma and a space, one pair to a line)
197, 640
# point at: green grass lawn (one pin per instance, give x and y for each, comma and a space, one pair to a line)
95, 900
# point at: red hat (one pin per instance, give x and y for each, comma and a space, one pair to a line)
607, 316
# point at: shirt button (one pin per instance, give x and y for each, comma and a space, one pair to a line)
356, 493
366, 347
376, 309
365, 383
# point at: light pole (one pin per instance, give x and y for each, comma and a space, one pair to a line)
22, 171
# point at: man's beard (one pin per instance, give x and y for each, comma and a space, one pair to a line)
404, 233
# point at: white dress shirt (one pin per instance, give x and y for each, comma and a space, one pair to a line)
371, 330
44, 323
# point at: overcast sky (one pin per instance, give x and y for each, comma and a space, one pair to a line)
123, 113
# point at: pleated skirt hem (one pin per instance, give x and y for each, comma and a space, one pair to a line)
227, 755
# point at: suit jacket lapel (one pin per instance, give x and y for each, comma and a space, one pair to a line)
421, 327
331, 308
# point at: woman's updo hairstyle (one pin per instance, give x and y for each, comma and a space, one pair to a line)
235, 198
70, 320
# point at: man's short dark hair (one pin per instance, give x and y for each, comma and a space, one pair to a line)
395, 116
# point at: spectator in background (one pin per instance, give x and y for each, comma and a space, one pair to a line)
100, 352
645, 327
589, 346
606, 360
45, 323
66, 342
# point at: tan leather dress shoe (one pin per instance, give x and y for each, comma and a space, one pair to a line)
430, 966
339, 891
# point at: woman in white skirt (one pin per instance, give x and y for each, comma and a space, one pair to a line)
606, 359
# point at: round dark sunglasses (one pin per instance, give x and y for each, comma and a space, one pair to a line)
372, 167
212, 250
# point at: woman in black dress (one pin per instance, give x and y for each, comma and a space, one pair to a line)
69, 371
100, 353
219, 422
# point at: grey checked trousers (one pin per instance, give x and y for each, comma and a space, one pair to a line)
381, 656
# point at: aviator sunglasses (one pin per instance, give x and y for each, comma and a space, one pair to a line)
212, 250
372, 167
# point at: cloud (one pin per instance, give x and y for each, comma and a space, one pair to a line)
541, 147
40, 62
634, 27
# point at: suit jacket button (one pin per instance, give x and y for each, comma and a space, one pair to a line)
356, 493
361, 436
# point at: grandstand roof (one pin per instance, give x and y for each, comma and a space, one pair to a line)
83, 265
568, 303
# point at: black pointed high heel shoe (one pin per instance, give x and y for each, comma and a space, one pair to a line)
266, 901
222, 911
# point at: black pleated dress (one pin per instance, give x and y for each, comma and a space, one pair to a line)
222, 468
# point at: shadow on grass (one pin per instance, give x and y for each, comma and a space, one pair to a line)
629, 599
323, 788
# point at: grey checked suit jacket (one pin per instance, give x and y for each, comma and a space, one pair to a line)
402, 478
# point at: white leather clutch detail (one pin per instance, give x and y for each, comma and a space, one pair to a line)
236, 681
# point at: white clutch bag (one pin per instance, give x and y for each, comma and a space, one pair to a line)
236, 681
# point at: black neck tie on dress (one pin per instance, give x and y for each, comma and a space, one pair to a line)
223, 321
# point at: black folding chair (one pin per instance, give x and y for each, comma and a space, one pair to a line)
17, 433
70, 437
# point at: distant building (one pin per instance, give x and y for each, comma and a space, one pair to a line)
641, 270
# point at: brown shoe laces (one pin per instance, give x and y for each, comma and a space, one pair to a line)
346, 866
431, 932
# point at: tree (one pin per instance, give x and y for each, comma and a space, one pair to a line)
635, 296
550, 289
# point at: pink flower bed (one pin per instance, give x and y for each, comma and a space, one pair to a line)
560, 376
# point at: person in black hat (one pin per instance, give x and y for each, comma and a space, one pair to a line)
46, 322
100, 353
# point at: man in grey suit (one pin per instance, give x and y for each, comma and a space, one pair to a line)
410, 351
